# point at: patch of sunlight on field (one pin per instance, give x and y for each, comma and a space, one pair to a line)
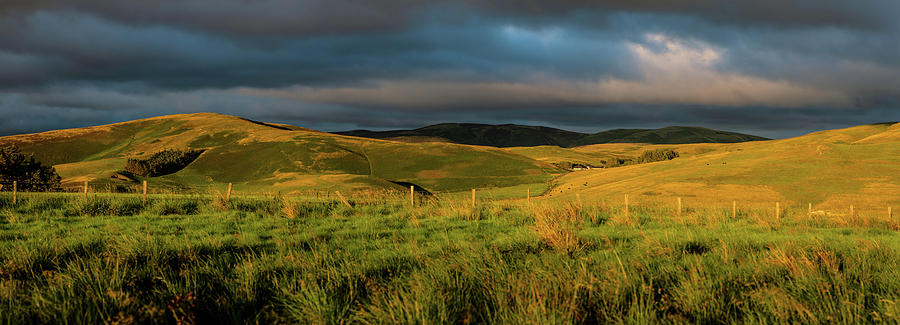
89, 170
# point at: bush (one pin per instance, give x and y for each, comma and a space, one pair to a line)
30, 174
162, 163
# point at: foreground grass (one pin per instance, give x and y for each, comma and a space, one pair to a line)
283, 260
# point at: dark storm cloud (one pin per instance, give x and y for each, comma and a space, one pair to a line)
46, 41
764, 65
289, 17
262, 18
93, 49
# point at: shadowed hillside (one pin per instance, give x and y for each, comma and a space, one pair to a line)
507, 135
270, 157
511, 135
667, 135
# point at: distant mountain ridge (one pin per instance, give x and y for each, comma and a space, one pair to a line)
513, 135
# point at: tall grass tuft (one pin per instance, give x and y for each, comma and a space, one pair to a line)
290, 210
558, 226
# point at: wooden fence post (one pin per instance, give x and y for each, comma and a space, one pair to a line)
733, 209
473, 198
679, 207
228, 194
15, 192
412, 198
626, 206
145, 193
85, 189
777, 210
890, 213
528, 196
809, 211
343, 199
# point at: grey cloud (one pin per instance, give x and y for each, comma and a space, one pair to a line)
316, 17
483, 50
93, 49
20, 69
264, 17
871, 14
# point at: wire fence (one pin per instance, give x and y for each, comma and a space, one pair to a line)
677, 206
19, 190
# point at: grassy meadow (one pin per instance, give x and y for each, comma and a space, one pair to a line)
305, 259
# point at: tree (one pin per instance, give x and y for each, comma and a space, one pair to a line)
30, 174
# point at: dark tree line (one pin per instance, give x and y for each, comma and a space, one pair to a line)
645, 157
30, 174
162, 163
657, 155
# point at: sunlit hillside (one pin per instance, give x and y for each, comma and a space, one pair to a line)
831, 169
269, 157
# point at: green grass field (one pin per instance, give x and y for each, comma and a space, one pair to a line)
272, 259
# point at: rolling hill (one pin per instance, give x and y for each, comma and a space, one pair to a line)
273, 157
511, 135
507, 135
831, 169
666, 135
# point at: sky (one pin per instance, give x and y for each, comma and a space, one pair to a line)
776, 68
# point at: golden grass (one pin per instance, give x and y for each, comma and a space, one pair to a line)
289, 209
828, 169
558, 226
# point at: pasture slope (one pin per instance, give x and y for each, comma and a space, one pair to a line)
273, 157
831, 169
